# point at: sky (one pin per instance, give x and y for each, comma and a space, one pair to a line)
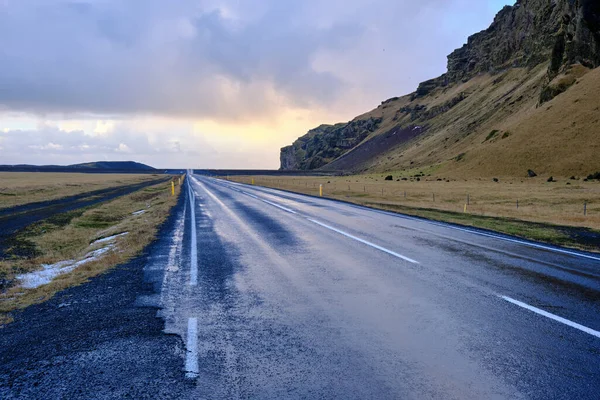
209, 83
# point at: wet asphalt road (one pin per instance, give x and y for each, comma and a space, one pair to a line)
267, 294
281, 295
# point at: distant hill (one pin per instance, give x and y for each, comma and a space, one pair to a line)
522, 94
91, 167
114, 165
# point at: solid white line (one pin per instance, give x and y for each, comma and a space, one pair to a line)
364, 241
552, 316
191, 355
399, 215
539, 246
193, 240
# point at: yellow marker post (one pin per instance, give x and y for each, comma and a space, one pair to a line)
321, 190
253, 181
465, 208
172, 188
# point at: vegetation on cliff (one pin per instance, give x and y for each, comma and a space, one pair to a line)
509, 78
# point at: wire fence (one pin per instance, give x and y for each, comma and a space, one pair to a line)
539, 204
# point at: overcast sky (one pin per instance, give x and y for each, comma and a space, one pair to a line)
209, 83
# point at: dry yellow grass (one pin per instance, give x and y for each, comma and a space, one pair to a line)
539, 201
559, 137
26, 187
72, 241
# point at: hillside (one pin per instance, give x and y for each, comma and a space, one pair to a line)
98, 167
114, 165
523, 94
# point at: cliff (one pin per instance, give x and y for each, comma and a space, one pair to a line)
531, 53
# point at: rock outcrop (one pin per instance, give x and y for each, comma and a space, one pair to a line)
325, 143
562, 36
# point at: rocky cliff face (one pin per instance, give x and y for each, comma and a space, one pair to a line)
559, 33
325, 143
562, 32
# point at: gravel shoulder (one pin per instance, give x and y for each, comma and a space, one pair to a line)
95, 341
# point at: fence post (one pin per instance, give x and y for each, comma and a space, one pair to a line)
585, 208
320, 190
517, 204
468, 199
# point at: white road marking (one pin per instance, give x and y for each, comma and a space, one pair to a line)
271, 203
552, 316
539, 246
263, 200
193, 241
393, 253
437, 223
191, 355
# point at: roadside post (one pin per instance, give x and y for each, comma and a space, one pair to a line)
172, 188
585, 209
253, 181
321, 190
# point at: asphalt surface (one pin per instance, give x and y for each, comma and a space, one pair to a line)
267, 294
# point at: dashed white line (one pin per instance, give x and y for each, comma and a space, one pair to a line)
193, 240
191, 355
552, 316
393, 253
506, 239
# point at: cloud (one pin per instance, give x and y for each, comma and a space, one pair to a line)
219, 59
221, 83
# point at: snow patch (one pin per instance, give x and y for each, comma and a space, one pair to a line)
140, 212
48, 272
108, 238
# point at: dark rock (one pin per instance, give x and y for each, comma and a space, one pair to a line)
531, 173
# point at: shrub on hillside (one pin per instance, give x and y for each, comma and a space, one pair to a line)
389, 178
594, 176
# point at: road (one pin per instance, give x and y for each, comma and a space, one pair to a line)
282, 295
267, 294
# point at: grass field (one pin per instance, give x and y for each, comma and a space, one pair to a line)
70, 236
544, 208
18, 188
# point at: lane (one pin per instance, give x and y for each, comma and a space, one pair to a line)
538, 276
286, 307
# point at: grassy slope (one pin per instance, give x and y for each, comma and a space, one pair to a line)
558, 138
69, 236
